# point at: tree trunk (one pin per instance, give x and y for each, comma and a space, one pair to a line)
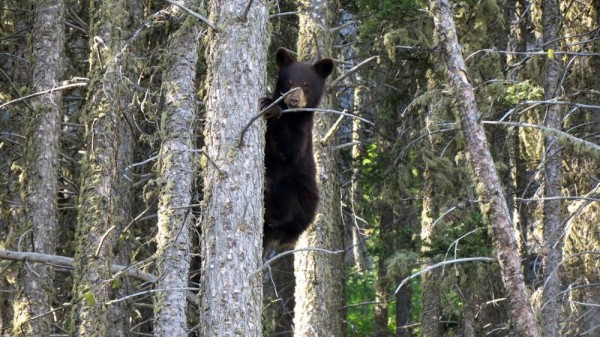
319, 276
492, 202
231, 291
431, 312
18, 74
40, 173
283, 304
552, 187
176, 174
98, 222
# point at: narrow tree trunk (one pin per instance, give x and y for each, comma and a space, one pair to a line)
492, 202
40, 175
283, 305
431, 311
362, 260
175, 172
232, 224
99, 200
382, 285
552, 186
319, 276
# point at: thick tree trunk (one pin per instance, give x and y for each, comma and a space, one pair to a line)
319, 276
176, 174
553, 242
99, 202
231, 291
488, 187
40, 173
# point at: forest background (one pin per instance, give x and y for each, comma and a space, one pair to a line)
131, 172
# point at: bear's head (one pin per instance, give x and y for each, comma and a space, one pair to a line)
310, 78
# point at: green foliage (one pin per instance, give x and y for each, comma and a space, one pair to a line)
360, 288
89, 299
378, 12
401, 263
461, 238
523, 91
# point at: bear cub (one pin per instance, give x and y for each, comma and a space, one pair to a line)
291, 193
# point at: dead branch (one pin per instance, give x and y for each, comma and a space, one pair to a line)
354, 69
443, 263
68, 262
194, 14
261, 113
280, 255
43, 92
547, 130
329, 111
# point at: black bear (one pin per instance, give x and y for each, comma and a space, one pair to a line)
291, 193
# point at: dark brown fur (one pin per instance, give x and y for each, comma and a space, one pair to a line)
291, 193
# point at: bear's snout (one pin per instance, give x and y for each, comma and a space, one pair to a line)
296, 100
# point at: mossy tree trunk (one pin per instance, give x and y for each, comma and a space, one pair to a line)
431, 312
553, 232
488, 187
17, 75
232, 223
319, 276
40, 172
175, 174
99, 217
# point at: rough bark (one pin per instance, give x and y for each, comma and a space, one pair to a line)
383, 284
431, 312
319, 276
488, 187
98, 219
553, 243
175, 174
231, 291
40, 172
363, 107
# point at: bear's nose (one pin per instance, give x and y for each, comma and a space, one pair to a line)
293, 101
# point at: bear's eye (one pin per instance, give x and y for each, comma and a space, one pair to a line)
288, 85
305, 86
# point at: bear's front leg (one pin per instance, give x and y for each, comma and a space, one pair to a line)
274, 112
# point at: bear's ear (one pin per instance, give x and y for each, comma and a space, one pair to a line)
283, 57
324, 67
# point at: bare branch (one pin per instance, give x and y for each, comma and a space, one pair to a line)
63, 87
329, 111
282, 14
443, 263
262, 112
194, 14
528, 53
340, 27
68, 262
244, 16
558, 133
280, 255
333, 129
351, 71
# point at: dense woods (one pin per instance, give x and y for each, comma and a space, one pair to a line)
457, 150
